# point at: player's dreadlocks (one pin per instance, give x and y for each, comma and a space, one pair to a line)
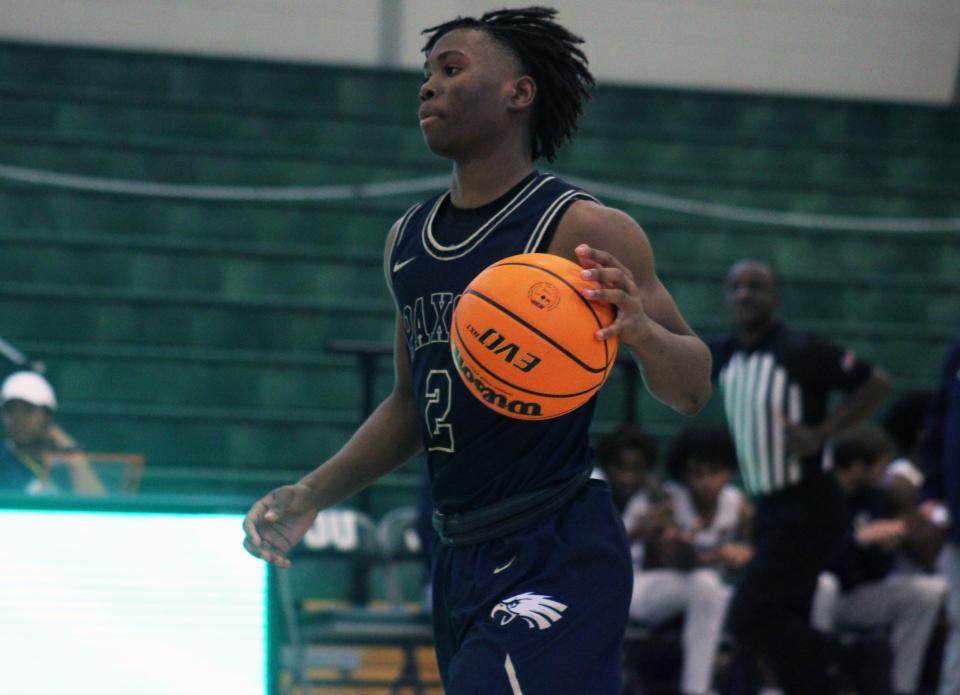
549, 54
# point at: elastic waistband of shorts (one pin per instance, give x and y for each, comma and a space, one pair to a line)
512, 514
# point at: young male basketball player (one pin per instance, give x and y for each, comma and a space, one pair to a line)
532, 579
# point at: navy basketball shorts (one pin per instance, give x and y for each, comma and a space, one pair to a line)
538, 612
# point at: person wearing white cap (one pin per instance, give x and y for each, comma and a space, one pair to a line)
27, 405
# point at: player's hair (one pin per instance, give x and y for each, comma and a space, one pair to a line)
547, 52
711, 446
904, 420
864, 444
626, 437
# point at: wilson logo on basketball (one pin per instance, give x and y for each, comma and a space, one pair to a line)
509, 352
490, 395
543, 295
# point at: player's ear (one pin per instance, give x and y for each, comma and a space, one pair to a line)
523, 92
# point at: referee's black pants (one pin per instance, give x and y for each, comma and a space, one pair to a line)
796, 533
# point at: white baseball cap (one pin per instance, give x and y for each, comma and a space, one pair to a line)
29, 387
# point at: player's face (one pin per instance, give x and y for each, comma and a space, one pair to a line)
24, 423
627, 473
752, 294
464, 100
705, 479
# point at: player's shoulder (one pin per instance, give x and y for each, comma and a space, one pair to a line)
401, 222
592, 214
589, 222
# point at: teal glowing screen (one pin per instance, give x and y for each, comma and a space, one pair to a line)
105, 603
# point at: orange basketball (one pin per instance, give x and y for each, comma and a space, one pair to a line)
523, 337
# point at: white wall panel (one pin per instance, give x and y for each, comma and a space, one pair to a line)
887, 49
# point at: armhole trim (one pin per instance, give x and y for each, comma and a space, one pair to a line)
542, 235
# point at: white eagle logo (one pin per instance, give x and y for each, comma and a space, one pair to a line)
537, 610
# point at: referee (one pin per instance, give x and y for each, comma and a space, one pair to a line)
776, 385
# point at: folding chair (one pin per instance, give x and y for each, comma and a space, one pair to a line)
120, 473
335, 638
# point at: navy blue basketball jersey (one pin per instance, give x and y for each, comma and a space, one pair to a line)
477, 456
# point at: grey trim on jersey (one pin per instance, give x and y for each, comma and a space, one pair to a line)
547, 220
388, 253
447, 253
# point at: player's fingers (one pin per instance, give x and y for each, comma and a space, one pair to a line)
610, 277
585, 252
253, 549
272, 558
272, 553
615, 328
583, 255
613, 296
249, 522
250, 529
601, 258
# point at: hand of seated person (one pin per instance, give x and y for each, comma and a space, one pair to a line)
923, 539
734, 556
886, 533
675, 549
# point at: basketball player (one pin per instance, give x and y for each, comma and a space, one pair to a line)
532, 579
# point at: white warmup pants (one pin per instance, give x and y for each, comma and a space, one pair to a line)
702, 598
908, 604
950, 673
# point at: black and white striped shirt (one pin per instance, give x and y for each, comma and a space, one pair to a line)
786, 377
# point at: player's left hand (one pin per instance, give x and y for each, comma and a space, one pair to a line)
618, 288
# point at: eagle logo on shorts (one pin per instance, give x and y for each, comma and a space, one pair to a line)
536, 610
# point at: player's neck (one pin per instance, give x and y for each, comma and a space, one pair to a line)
481, 180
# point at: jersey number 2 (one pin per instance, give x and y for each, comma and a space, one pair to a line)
438, 407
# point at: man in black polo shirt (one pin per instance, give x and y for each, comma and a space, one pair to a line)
776, 384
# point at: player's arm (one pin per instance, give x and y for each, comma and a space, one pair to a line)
614, 250
388, 437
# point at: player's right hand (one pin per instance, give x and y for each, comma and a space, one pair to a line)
278, 521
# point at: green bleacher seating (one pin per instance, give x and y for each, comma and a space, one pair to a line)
194, 330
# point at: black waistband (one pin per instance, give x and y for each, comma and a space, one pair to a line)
512, 514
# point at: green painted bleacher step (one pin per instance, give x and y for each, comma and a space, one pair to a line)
194, 330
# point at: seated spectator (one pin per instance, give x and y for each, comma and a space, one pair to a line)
871, 595
904, 479
692, 540
904, 425
27, 405
625, 459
